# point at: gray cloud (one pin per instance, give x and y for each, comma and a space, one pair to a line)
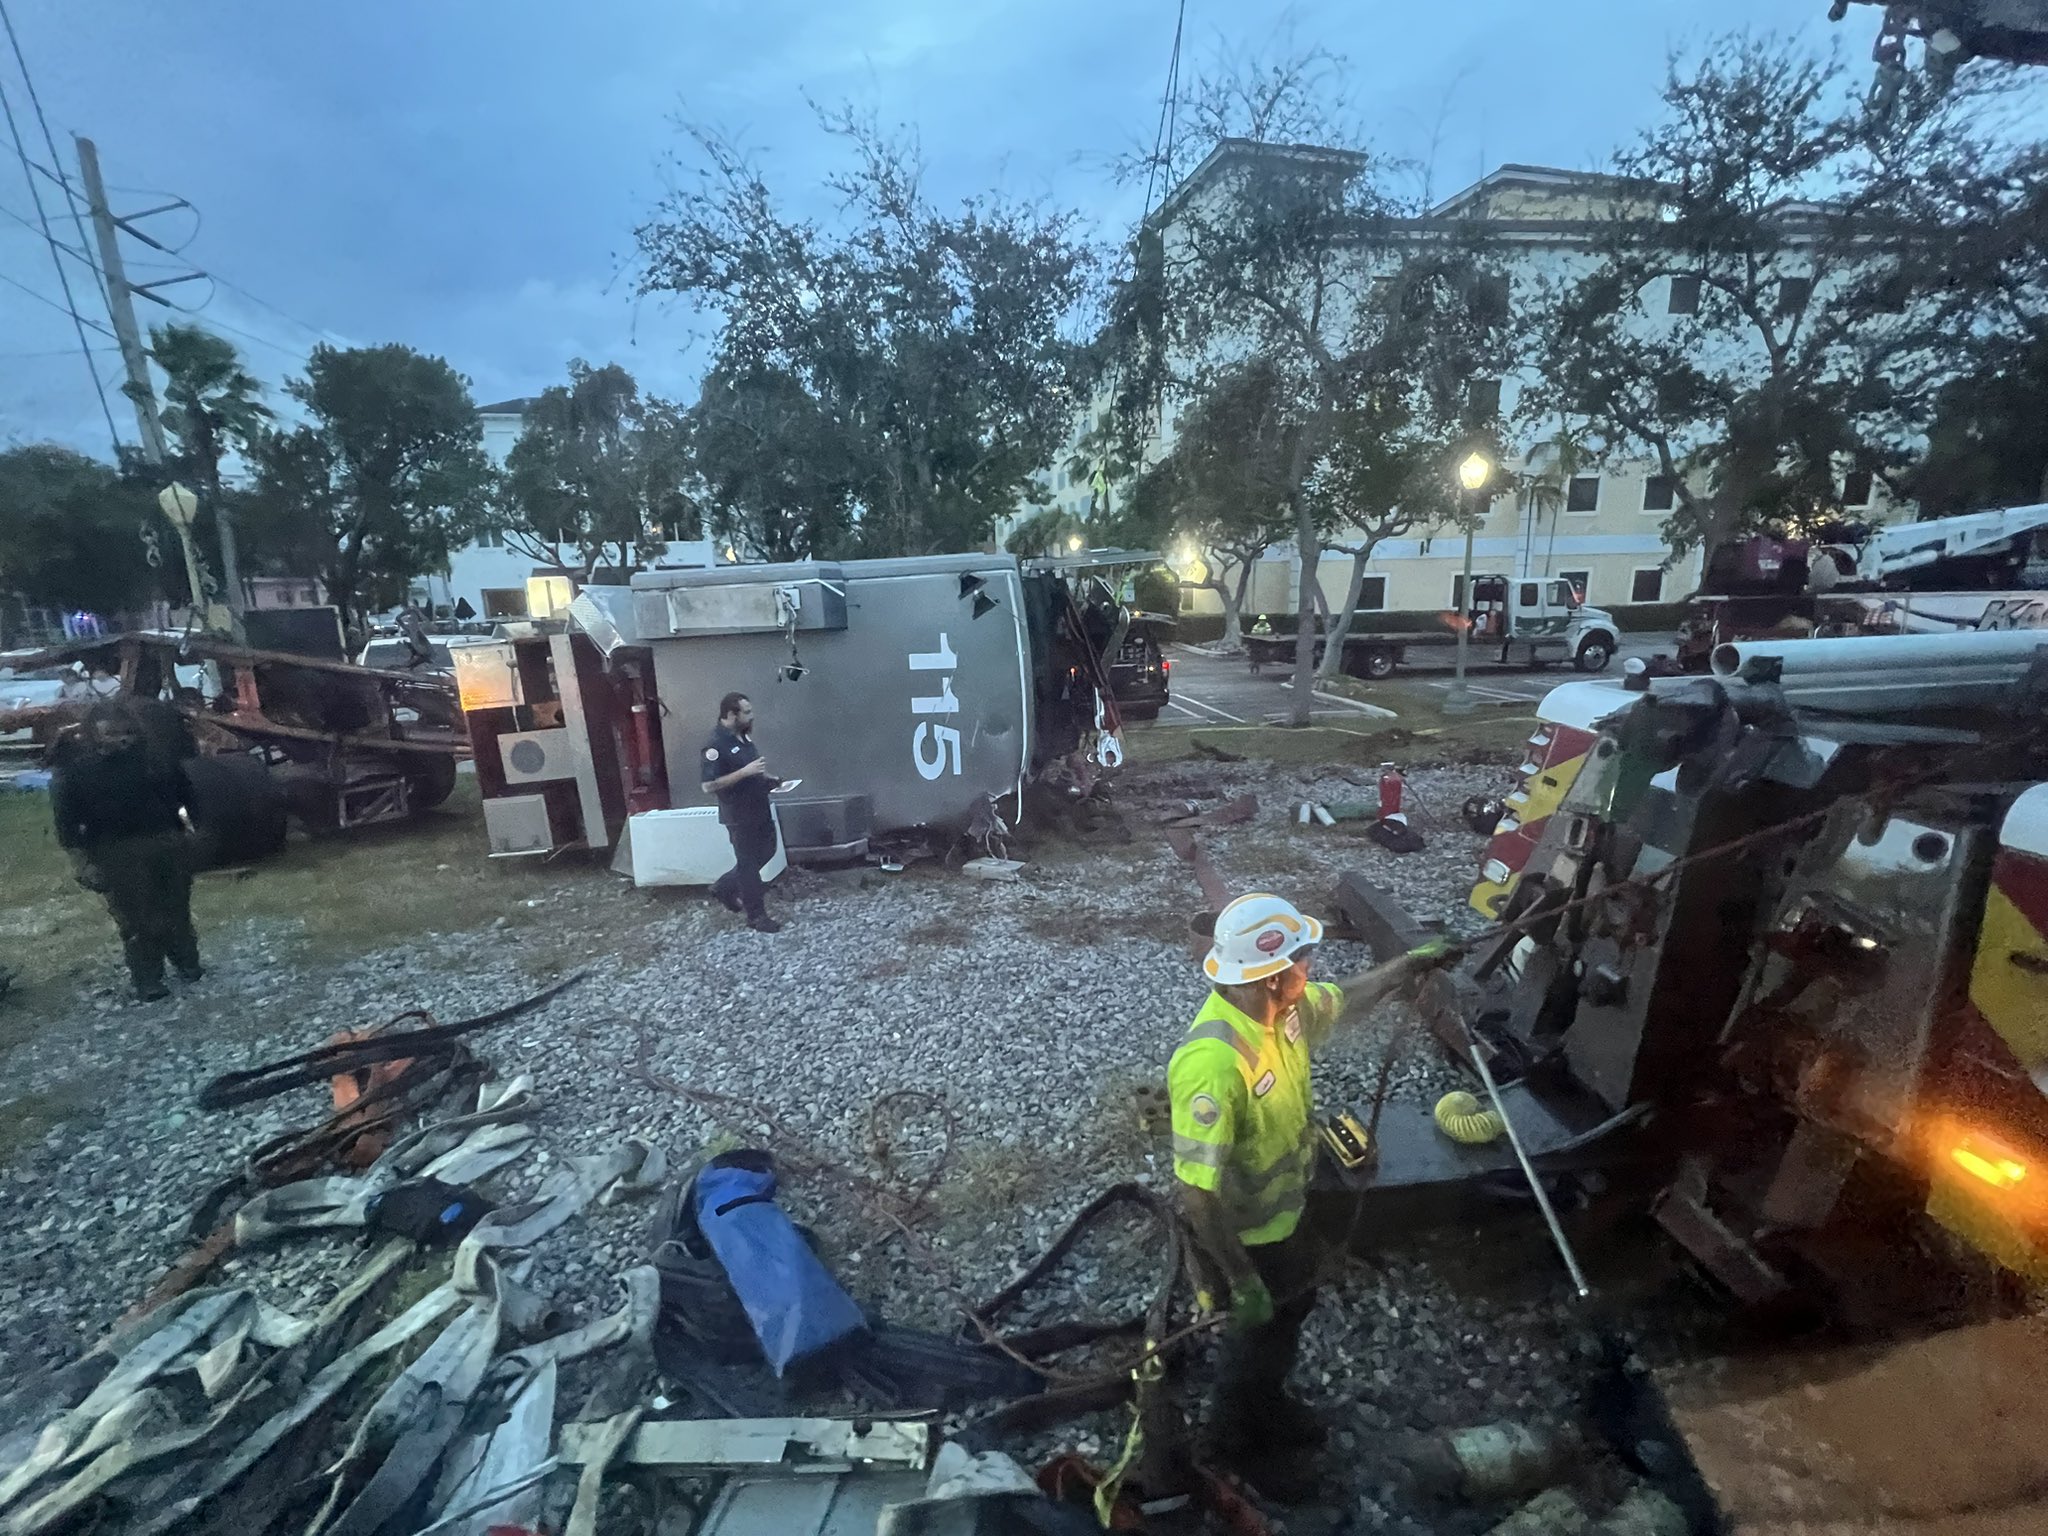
465, 177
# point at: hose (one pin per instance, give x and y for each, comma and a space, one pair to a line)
1459, 1117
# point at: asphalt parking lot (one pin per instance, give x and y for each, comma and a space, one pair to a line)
1208, 689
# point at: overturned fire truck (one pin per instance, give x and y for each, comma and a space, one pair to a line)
1774, 960
894, 697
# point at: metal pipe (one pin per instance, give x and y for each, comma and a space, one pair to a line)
1564, 1247
1883, 653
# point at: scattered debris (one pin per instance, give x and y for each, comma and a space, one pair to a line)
1229, 814
761, 1442
993, 869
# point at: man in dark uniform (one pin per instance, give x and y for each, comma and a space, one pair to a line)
734, 770
117, 784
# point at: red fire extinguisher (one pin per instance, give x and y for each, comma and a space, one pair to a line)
1391, 784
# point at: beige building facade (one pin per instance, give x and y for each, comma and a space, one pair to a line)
1603, 529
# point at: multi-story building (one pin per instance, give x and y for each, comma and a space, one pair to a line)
500, 581
1602, 527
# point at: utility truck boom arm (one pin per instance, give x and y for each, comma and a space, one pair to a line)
1905, 547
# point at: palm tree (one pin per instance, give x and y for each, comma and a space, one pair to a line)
212, 404
1552, 463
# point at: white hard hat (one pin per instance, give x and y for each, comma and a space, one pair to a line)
1258, 936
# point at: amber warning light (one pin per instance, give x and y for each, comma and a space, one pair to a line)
1986, 1160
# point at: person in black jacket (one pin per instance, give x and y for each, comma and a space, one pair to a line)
734, 770
117, 785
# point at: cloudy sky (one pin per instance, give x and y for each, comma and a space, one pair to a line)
465, 177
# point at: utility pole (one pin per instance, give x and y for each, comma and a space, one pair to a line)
121, 308
140, 390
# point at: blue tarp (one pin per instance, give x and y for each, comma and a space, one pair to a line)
797, 1309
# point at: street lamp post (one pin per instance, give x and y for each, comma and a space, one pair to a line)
1473, 474
180, 506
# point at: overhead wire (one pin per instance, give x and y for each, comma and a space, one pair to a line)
44, 298
51, 352
43, 218
1169, 112
70, 304
56, 172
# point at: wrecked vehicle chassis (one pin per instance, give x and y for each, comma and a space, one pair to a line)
336, 745
1775, 971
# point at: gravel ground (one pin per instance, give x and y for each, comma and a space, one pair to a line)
1034, 1008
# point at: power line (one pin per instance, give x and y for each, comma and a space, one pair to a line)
184, 265
314, 330
35, 101
44, 298
70, 304
208, 322
41, 234
54, 352
1169, 111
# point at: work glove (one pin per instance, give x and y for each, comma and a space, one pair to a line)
1251, 1305
1435, 954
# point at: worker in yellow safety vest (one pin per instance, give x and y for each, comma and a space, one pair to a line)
1244, 1144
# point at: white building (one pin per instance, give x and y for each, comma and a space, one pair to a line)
499, 582
1605, 530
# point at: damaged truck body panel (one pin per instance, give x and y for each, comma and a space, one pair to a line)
908, 696
903, 683
1802, 936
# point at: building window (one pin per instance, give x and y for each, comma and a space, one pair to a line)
504, 602
1793, 293
1485, 589
1583, 494
1372, 595
1659, 492
1856, 488
1580, 580
284, 596
1647, 585
1684, 298
491, 538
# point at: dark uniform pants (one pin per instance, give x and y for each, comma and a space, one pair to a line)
147, 883
1254, 1363
753, 845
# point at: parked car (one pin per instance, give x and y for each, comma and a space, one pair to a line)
393, 653
1140, 674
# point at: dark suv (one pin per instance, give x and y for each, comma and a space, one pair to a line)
1139, 672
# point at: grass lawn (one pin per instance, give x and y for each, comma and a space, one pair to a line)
320, 900
1368, 741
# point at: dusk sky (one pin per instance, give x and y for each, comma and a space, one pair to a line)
465, 177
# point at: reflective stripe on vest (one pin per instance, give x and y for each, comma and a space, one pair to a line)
1219, 1029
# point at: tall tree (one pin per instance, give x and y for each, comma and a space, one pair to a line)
776, 477
75, 533
1290, 244
931, 347
387, 477
1221, 490
595, 481
1748, 322
1989, 443
1988, 314
1382, 478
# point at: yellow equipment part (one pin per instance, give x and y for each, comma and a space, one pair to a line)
2009, 981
